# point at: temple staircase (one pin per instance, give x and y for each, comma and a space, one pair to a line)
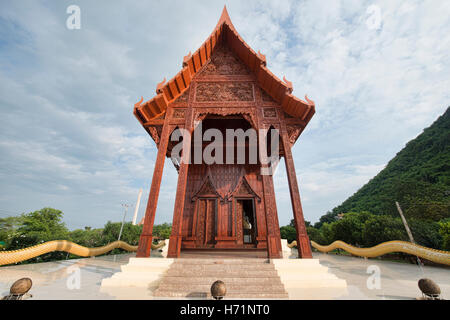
254, 278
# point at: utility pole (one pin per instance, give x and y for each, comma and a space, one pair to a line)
408, 231
123, 220
136, 209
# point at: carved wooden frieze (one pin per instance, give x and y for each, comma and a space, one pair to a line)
247, 113
183, 98
224, 91
265, 97
155, 133
293, 133
178, 113
270, 113
224, 62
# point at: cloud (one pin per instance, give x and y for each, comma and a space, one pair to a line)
69, 138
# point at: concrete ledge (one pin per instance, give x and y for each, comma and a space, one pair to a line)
139, 272
302, 277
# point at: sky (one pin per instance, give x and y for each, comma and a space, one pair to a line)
378, 72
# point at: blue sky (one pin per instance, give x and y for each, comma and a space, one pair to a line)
69, 139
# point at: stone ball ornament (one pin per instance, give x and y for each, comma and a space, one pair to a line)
218, 290
19, 290
429, 288
21, 286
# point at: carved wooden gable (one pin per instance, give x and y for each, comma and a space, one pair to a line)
183, 98
224, 62
224, 91
207, 189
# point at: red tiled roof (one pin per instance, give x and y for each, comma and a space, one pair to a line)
279, 90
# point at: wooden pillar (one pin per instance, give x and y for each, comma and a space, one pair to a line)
145, 241
273, 231
303, 244
176, 236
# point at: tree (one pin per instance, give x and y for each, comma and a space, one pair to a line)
130, 232
8, 230
289, 233
329, 217
349, 228
378, 229
426, 233
162, 231
315, 235
444, 231
39, 227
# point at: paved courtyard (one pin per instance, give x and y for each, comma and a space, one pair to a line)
60, 279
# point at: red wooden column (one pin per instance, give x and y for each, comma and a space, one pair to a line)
273, 231
176, 236
145, 241
303, 244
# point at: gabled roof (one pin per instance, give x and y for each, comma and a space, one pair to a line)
279, 90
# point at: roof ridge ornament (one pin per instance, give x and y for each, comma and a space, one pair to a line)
289, 85
225, 17
310, 102
263, 58
137, 104
186, 59
160, 85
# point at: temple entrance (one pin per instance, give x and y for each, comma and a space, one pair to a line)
206, 222
225, 198
248, 225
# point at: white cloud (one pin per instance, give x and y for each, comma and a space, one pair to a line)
69, 138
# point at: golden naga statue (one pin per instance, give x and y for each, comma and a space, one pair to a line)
14, 256
437, 256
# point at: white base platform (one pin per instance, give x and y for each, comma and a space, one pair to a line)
137, 279
303, 279
306, 279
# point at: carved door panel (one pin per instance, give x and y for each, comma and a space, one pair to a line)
210, 227
238, 224
206, 222
201, 213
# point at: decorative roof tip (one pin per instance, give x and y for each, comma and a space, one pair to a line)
160, 85
263, 58
310, 102
224, 17
186, 59
137, 104
288, 85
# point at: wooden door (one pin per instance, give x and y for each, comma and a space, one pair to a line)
238, 224
206, 222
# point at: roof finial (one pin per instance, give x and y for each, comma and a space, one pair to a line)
137, 104
160, 85
289, 86
225, 18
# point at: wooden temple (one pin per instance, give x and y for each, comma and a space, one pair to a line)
224, 84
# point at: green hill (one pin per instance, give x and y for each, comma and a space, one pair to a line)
418, 177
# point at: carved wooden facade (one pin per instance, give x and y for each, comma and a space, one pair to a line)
225, 84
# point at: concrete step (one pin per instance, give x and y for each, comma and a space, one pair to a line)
231, 287
244, 278
272, 280
227, 261
221, 267
229, 295
221, 273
